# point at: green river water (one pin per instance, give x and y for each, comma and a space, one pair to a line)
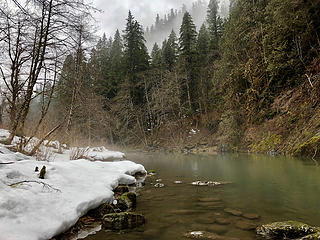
275, 188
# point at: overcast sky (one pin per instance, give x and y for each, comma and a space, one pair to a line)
116, 11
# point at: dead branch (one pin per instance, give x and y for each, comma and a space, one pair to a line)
45, 185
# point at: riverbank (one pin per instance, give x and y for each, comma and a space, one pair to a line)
41, 199
292, 127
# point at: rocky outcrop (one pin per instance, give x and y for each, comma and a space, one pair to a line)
289, 230
122, 221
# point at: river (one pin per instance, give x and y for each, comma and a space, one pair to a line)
274, 188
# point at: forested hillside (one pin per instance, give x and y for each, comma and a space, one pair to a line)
246, 82
162, 27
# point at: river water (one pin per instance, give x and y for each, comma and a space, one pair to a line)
274, 188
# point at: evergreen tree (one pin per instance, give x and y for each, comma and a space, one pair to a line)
170, 51
188, 37
116, 61
203, 45
135, 55
157, 24
187, 42
203, 67
215, 26
156, 57
100, 67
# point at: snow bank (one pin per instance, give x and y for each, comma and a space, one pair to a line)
34, 209
102, 154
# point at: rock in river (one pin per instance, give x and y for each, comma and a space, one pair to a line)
159, 185
233, 212
251, 216
122, 221
126, 201
222, 221
289, 230
203, 235
102, 210
210, 199
245, 225
209, 183
121, 190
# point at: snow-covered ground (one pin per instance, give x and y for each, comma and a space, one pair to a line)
33, 208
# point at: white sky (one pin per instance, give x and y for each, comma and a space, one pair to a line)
116, 11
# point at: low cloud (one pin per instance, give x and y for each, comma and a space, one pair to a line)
115, 12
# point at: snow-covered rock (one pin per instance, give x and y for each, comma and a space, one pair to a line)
103, 154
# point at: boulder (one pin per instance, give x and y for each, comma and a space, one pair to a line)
126, 201
121, 190
288, 230
122, 221
102, 210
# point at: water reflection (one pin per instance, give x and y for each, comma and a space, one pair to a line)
275, 188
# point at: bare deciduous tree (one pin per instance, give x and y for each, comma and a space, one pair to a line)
34, 41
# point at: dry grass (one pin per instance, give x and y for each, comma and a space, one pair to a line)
44, 154
79, 153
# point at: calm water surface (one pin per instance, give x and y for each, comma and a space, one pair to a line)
275, 188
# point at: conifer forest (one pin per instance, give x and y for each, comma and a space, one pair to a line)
244, 75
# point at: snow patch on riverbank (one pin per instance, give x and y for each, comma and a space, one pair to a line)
34, 209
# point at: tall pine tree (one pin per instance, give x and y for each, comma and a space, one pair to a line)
187, 49
215, 27
135, 55
170, 52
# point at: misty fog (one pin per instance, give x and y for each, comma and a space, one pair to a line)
114, 14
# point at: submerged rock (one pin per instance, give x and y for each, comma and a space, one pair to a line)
210, 205
233, 212
122, 221
222, 221
251, 216
245, 225
218, 229
203, 235
185, 212
288, 229
210, 199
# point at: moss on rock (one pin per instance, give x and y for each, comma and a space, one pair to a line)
285, 230
126, 201
122, 221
